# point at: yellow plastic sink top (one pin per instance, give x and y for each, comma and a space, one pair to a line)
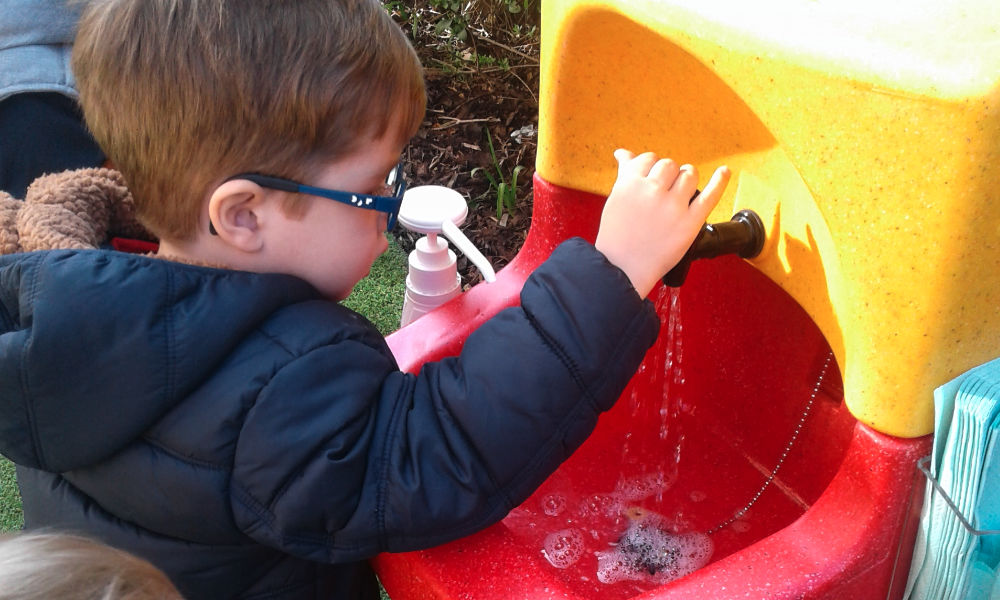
866, 135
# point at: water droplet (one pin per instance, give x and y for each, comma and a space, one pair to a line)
598, 505
553, 505
741, 526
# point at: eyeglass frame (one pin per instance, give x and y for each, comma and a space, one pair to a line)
383, 204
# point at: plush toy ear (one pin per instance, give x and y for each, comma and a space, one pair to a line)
9, 239
124, 222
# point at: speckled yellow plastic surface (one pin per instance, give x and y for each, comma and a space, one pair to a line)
865, 133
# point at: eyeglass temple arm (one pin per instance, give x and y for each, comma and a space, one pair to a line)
274, 183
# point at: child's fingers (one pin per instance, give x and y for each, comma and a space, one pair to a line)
643, 163
710, 196
686, 182
624, 158
664, 170
623, 155
634, 165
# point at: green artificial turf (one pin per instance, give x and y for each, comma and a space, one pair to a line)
379, 297
10, 499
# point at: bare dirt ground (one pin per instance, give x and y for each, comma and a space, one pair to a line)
471, 103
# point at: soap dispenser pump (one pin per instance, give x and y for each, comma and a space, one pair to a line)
433, 278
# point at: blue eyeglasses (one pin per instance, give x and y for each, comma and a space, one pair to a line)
389, 204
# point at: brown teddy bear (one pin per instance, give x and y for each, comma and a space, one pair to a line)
73, 209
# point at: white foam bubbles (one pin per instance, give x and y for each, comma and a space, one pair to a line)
648, 551
639, 488
664, 558
563, 548
612, 567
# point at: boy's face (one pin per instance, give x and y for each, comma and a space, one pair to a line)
334, 245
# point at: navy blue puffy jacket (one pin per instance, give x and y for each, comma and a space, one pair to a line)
254, 440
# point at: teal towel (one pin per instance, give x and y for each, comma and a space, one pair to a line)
954, 557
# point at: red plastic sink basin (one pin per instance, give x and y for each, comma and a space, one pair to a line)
734, 430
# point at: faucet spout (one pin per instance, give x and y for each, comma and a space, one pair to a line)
742, 235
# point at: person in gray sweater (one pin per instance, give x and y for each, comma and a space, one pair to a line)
40, 123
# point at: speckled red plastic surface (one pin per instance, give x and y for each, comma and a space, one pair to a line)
738, 406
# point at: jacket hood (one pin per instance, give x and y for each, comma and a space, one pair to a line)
104, 341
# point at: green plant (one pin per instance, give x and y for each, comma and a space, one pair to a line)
506, 191
518, 6
519, 31
497, 17
399, 9
485, 60
453, 21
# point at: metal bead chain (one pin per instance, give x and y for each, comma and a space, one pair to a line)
784, 453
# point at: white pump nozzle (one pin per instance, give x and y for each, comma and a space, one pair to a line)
433, 274
453, 233
434, 209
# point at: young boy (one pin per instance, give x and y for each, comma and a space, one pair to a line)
213, 409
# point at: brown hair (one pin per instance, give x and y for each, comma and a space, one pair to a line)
181, 94
43, 566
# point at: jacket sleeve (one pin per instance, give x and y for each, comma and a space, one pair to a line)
396, 462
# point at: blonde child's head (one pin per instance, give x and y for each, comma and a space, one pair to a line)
55, 566
182, 94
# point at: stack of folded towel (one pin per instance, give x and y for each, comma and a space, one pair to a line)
958, 545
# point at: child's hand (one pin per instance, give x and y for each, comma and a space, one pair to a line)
647, 224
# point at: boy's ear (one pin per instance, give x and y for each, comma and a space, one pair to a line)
235, 212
